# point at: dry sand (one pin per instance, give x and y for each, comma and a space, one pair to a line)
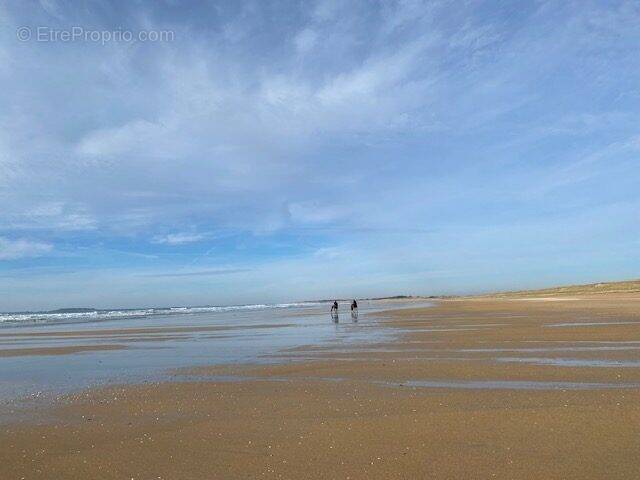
350, 411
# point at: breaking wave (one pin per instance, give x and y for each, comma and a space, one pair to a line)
89, 315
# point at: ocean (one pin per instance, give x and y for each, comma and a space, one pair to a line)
50, 353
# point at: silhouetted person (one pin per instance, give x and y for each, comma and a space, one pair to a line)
354, 305
334, 307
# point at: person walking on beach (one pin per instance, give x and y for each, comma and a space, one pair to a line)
354, 310
334, 311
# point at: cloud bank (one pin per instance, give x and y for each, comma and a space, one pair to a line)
325, 148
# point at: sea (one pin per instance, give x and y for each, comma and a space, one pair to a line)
44, 354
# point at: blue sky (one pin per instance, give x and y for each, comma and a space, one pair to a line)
276, 151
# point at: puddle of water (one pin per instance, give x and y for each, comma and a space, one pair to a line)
413, 330
571, 362
355, 351
463, 384
589, 324
485, 325
513, 385
594, 342
550, 349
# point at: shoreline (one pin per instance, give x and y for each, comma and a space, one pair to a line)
54, 359
360, 411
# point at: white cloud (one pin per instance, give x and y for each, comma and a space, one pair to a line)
21, 248
179, 238
330, 253
133, 137
199, 273
52, 8
52, 215
305, 40
312, 212
325, 10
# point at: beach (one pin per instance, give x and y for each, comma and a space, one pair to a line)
521, 386
323, 239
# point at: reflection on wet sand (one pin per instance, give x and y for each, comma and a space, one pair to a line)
59, 357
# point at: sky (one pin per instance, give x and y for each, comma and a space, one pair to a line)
216, 152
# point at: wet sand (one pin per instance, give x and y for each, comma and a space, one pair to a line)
470, 388
43, 351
